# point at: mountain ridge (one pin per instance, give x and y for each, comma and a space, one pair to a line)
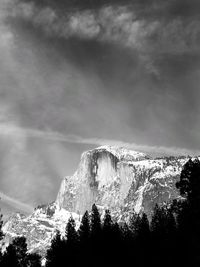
111, 177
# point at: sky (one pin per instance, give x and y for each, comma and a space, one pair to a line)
77, 74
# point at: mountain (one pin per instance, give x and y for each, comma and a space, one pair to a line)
112, 177
121, 180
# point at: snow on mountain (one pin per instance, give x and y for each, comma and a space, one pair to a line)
123, 154
112, 177
99, 173
121, 180
40, 227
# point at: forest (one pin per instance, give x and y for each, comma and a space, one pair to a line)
171, 237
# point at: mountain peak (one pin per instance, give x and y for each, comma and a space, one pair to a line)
121, 153
113, 178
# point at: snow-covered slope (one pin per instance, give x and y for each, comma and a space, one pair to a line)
40, 227
112, 177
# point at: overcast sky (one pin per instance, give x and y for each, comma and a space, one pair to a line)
76, 74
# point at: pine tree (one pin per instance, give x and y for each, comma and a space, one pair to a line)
84, 229
1, 224
158, 222
139, 226
127, 246
116, 249
55, 253
21, 250
158, 238
71, 233
33, 260
84, 239
107, 223
72, 243
142, 229
134, 226
127, 234
16, 253
95, 237
189, 184
95, 221
188, 214
171, 227
10, 258
1, 236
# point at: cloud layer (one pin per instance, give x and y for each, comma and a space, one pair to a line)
121, 24
13, 130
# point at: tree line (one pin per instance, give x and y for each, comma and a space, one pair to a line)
170, 238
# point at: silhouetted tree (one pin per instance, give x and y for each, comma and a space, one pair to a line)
55, 254
107, 223
143, 229
1, 224
95, 222
1, 236
189, 186
33, 260
84, 229
72, 243
71, 233
139, 225
188, 215
10, 257
160, 238
107, 238
21, 250
16, 255
126, 244
158, 222
96, 236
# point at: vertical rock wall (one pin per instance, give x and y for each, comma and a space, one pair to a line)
111, 180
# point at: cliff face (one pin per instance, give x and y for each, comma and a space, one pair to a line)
113, 178
120, 180
100, 175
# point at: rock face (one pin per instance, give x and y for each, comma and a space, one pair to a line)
103, 177
112, 177
120, 180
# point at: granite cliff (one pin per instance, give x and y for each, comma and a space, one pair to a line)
115, 178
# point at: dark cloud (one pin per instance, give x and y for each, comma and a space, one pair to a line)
149, 29
151, 7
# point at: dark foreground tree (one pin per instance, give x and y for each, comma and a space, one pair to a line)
84, 230
16, 255
33, 260
1, 224
95, 223
55, 254
163, 236
10, 257
95, 237
84, 238
1, 237
188, 214
71, 244
189, 184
